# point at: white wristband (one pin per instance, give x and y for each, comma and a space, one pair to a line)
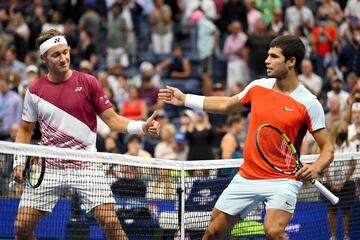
195, 102
135, 127
19, 160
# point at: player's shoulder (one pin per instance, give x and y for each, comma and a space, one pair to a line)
38, 84
84, 76
307, 98
262, 82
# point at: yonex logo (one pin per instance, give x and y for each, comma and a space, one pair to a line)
288, 109
56, 40
78, 89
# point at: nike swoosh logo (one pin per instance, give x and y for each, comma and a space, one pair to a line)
289, 109
288, 204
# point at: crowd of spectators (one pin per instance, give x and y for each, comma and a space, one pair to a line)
211, 47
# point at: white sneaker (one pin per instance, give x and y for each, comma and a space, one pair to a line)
346, 237
332, 238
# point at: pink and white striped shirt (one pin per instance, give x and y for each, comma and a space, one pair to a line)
66, 112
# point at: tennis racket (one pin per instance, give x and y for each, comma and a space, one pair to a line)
279, 153
34, 172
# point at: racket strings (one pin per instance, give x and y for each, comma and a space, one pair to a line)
276, 150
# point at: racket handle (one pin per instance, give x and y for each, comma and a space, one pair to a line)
326, 192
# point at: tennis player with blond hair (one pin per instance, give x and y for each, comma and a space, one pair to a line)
280, 100
66, 102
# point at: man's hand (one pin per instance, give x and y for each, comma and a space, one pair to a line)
172, 96
18, 173
308, 172
152, 126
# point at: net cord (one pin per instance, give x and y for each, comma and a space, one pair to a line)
111, 158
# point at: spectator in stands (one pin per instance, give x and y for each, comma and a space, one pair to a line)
178, 66
162, 187
218, 121
354, 127
237, 69
337, 91
352, 8
14, 64
86, 66
72, 36
162, 32
323, 36
148, 91
207, 40
186, 116
19, 26
134, 107
267, 9
86, 48
310, 79
32, 74
120, 90
277, 26
331, 10
256, 50
134, 147
116, 38
351, 81
200, 136
253, 14
90, 21
230, 146
55, 22
164, 149
233, 10
147, 71
299, 15
180, 146
340, 180
335, 113
349, 58
131, 11
354, 139
10, 108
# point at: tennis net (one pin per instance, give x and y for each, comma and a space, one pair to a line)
157, 198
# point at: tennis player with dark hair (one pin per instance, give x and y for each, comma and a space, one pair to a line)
66, 102
280, 100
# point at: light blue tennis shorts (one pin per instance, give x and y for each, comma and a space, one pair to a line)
242, 195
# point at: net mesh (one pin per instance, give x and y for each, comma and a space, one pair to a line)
160, 199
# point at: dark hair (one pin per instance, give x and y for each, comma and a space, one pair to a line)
291, 46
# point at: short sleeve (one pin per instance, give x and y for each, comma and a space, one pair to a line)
30, 110
317, 116
101, 102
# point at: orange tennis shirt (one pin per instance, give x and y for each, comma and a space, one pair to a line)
293, 114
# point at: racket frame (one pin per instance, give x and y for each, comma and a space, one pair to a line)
326, 192
27, 172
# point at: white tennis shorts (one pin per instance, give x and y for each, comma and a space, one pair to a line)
90, 183
242, 195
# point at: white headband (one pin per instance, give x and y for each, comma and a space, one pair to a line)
51, 42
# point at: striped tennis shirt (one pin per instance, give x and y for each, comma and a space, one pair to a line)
66, 112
